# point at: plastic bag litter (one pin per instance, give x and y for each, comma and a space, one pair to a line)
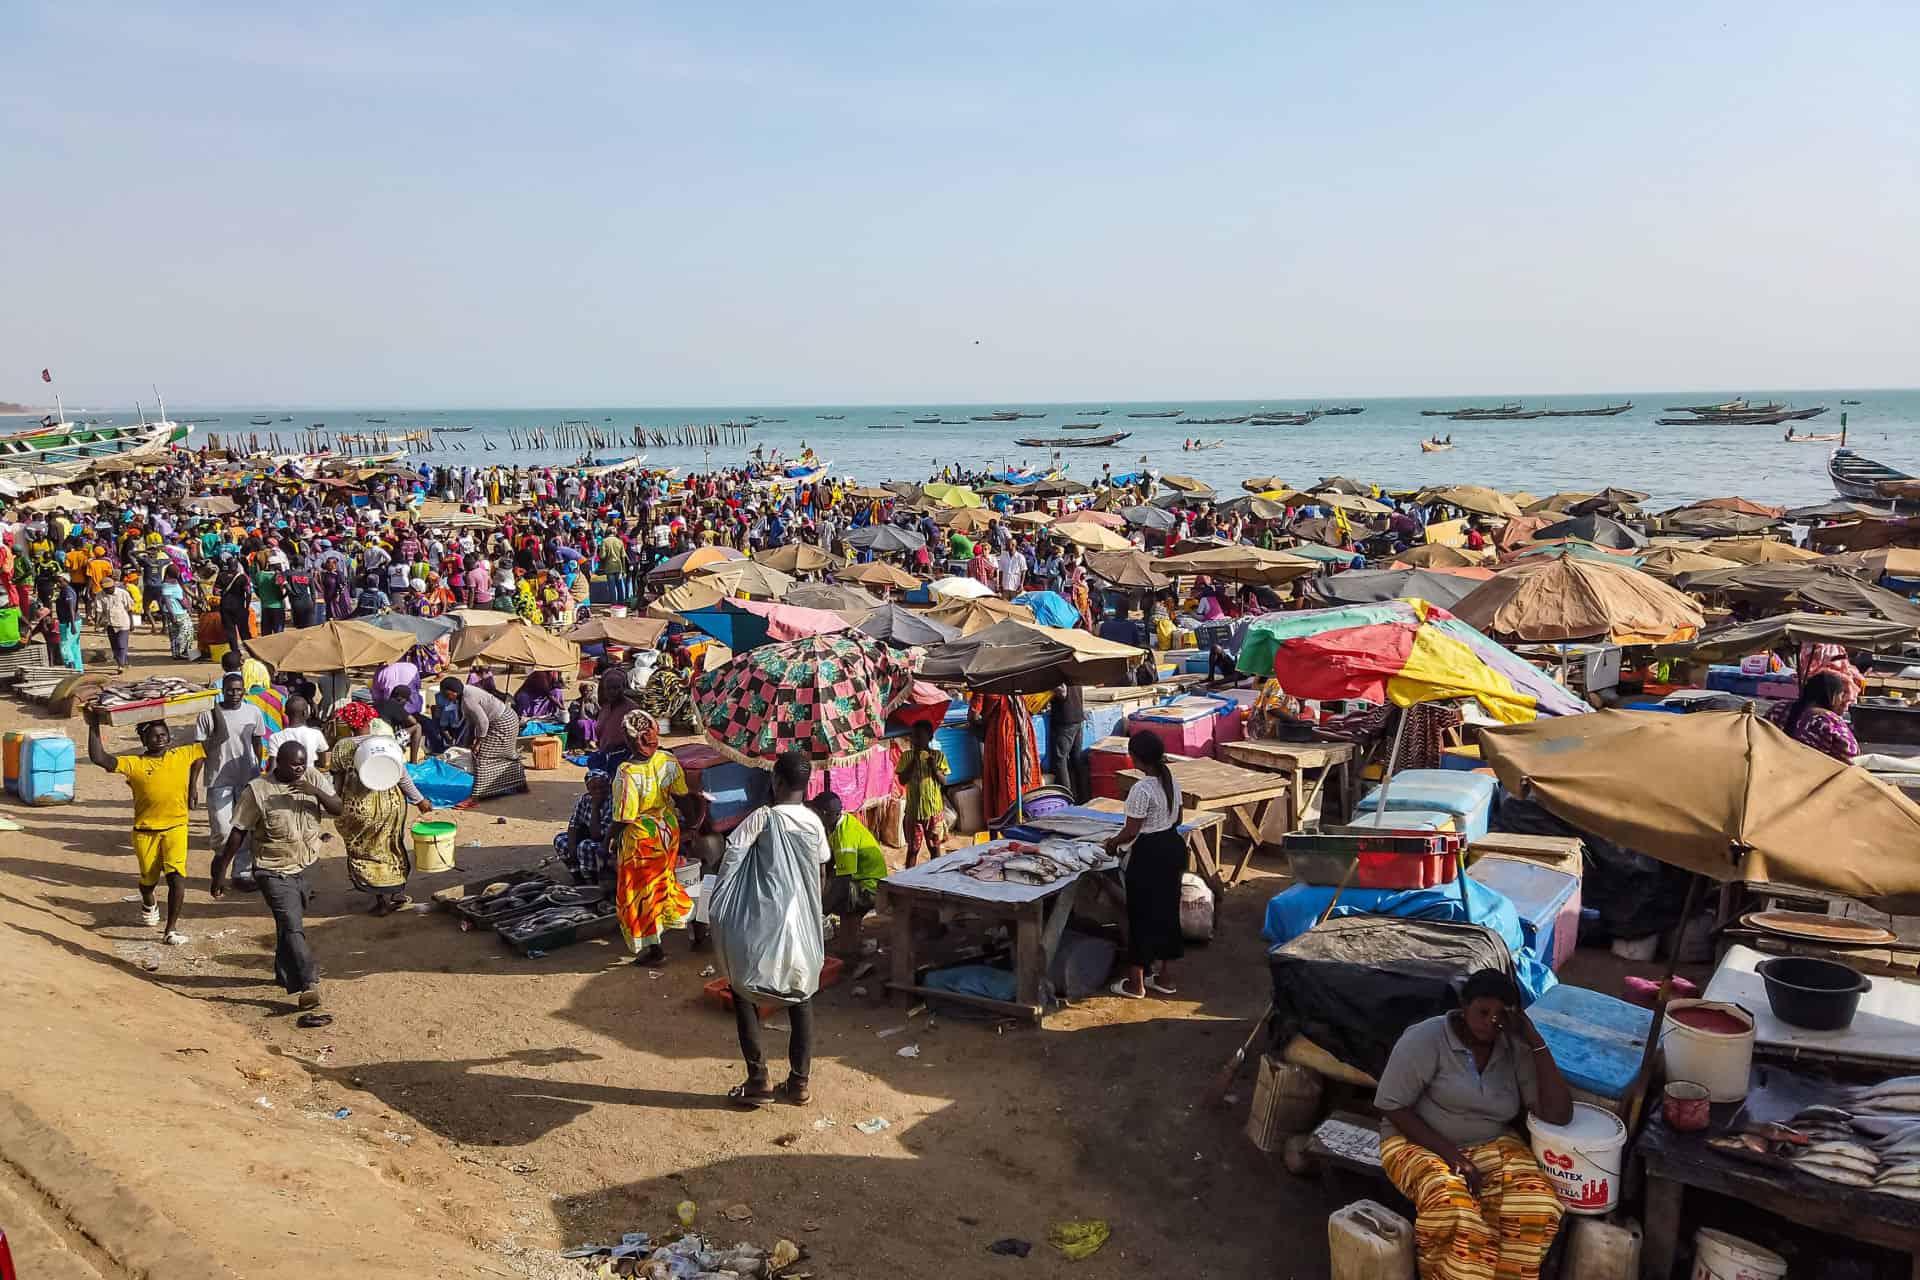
766, 915
1196, 909
1077, 1240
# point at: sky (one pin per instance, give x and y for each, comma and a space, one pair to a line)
738, 204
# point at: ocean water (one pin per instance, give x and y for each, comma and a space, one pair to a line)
1673, 464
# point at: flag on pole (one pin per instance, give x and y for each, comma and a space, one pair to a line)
46, 375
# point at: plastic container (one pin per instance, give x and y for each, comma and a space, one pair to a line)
1820, 995
1185, 726
1467, 796
1286, 1101
10, 757
1720, 1060
966, 807
1719, 1256
1582, 1158
380, 763
433, 845
1597, 1041
1548, 902
1389, 860
1368, 1241
1602, 1250
46, 769
546, 752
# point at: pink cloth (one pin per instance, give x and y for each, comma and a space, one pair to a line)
868, 779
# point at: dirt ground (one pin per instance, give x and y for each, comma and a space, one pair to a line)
499, 1108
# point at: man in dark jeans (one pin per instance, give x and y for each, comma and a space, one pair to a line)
280, 811
1066, 754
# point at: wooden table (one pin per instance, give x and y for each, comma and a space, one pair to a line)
1035, 915
1243, 796
1676, 1161
1297, 760
1201, 829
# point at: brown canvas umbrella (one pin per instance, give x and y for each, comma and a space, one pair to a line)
1476, 498
1105, 519
1242, 564
515, 643
1032, 519
1091, 536
746, 578
977, 614
1899, 562
331, 647
967, 519
1187, 484
635, 633
1669, 562
1350, 502
1741, 506
1555, 504
1575, 598
837, 597
696, 593
1608, 499
1434, 555
1759, 551
1262, 484
1519, 532
878, 573
796, 557
1133, 569
1813, 587
1763, 634
1724, 794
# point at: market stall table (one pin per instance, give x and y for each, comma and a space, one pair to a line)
1196, 829
1324, 760
1885, 1033
1244, 796
1035, 914
1676, 1161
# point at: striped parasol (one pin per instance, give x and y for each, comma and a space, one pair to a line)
827, 696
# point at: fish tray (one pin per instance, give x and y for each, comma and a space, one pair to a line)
450, 898
493, 913
566, 935
185, 706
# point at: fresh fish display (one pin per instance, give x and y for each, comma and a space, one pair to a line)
1774, 1132
1833, 1173
1851, 1150
1899, 1189
1814, 1114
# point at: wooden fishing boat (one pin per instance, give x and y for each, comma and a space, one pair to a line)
1214, 422
1163, 413
1728, 420
830, 417
886, 426
1824, 437
1073, 442
1434, 446
1738, 405
1859, 478
1002, 415
1094, 413
63, 441
260, 420
1081, 426
927, 422
1289, 420
1849, 402
1606, 411
1341, 411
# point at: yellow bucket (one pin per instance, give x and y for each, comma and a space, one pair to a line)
433, 844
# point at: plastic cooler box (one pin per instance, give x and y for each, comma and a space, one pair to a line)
1547, 899
46, 769
1185, 725
1388, 860
1467, 796
728, 785
1597, 1041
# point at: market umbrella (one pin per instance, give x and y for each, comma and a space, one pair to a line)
423, 630
901, 626
217, 504
1723, 794
330, 647
696, 593
1050, 608
1670, 562
868, 493
1261, 484
1093, 537
635, 633
1133, 569
1407, 651
1608, 499
1342, 484
969, 519
1150, 518
1188, 485
1741, 506
796, 557
62, 501
742, 625
1369, 586
1105, 519
1554, 504
884, 539
1759, 551
836, 596
951, 495
691, 561
1352, 503
1763, 634
825, 696
1570, 547
1570, 598
515, 643
1881, 562
969, 616
957, 588
1056, 487
746, 578
1705, 522
1019, 657
878, 573
1032, 519
1433, 556
1476, 498
1599, 530
1813, 587
1254, 506
1241, 564
1516, 533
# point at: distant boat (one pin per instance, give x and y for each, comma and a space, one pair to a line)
1164, 413
830, 417
1094, 413
1343, 410
1192, 446
1213, 422
1849, 402
440, 428
1435, 446
287, 419
1737, 405
1073, 442
1284, 420
927, 422
998, 415
1081, 426
261, 420
1826, 437
1606, 411
380, 420
886, 426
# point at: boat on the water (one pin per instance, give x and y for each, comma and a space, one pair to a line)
1162, 413
1860, 478
927, 422
1285, 420
998, 415
886, 426
1094, 413
1435, 446
381, 420
1194, 446
260, 420
1511, 406
1073, 442
1341, 411
1849, 402
1081, 426
438, 428
1605, 411
1823, 437
830, 417
1214, 422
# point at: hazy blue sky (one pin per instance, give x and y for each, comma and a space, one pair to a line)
765, 203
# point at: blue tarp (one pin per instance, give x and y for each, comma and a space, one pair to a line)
441, 783
1050, 608
1293, 912
1014, 477
534, 728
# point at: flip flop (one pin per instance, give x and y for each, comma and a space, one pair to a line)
750, 1098
311, 1021
1153, 984
1120, 989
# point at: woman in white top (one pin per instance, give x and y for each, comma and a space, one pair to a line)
1153, 870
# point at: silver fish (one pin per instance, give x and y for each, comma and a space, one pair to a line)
1852, 1149
1845, 1177
1833, 1161
1904, 1192
1819, 1113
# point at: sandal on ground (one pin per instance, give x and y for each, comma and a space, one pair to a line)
651, 958
1154, 984
150, 915
750, 1095
175, 938
1121, 989
311, 1021
399, 902
793, 1092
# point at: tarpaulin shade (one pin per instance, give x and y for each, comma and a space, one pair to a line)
1567, 598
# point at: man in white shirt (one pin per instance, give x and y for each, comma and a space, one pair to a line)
299, 729
790, 832
1013, 572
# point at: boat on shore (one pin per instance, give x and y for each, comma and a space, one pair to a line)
63, 441
1073, 442
1159, 413
1860, 478
1605, 411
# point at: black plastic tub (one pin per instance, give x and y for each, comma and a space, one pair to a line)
1819, 995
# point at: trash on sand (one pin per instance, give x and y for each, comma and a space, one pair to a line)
708, 972
917, 1010
877, 1124
785, 1254
809, 1225
534, 953
884, 1032
1077, 1240
824, 1122
909, 1051
343, 1113
655, 974
685, 1211
1011, 1248
150, 965
263, 1101
737, 1213
787, 1140
190, 1049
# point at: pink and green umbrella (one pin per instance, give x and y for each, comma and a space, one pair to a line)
827, 696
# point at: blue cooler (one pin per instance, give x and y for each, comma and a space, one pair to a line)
46, 769
962, 750
1398, 819
1596, 1040
1467, 796
1547, 899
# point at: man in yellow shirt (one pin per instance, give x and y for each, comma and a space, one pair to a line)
162, 778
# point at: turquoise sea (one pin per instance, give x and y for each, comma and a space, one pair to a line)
1543, 455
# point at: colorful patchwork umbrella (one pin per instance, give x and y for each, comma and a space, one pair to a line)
747, 624
1405, 650
826, 696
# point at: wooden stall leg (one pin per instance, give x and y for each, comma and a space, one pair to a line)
1028, 954
1661, 1243
902, 957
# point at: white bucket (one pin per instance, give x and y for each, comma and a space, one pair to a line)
616, 611
1722, 1061
380, 763
1582, 1157
1719, 1256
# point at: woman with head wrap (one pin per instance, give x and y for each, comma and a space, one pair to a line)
648, 793
541, 698
373, 826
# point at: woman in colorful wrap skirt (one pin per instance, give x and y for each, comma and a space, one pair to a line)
648, 791
1452, 1089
